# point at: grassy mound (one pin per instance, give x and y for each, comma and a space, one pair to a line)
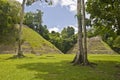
35, 43
32, 43
95, 46
58, 67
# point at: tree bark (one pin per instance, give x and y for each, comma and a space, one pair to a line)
20, 52
79, 56
85, 62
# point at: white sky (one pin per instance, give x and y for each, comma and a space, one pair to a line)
69, 3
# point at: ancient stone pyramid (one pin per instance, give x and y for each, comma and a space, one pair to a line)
95, 45
33, 43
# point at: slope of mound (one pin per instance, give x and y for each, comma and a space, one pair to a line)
36, 43
32, 43
95, 46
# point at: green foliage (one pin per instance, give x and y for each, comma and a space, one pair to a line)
55, 39
65, 40
117, 42
105, 19
34, 21
28, 19
90, 33
67, 32
29, 2
9, 15
104, 13
68, 43
43, 31
57, 67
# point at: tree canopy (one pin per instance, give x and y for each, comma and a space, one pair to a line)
105, 20
105, 13
9, 16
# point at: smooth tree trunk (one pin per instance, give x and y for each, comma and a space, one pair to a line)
85, 62
79, 56
20, 52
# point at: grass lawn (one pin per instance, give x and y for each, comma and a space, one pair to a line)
58, 67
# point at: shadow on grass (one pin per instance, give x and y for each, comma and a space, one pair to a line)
16, 57
105, 70
27, 57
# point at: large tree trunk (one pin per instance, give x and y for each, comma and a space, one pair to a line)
85, 62
79, 56
20, 52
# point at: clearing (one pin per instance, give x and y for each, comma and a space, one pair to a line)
58, 67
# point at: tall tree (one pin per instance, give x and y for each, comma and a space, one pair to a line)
33, 19
20, 52
24, 2
29, 18
84, 34
70, 31
67, 32
68, 38
81, 56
